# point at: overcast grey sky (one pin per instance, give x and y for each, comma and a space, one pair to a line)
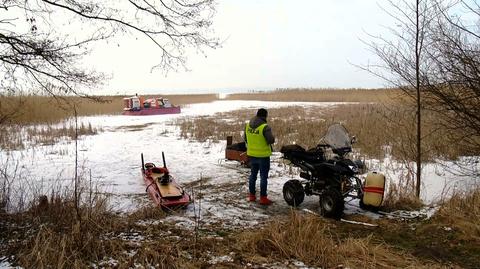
268, 44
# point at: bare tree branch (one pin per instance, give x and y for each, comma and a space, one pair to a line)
47, 59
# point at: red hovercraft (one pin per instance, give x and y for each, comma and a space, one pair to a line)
162, 187
137, 106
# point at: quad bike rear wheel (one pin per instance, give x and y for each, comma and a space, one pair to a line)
293, 192
331, 203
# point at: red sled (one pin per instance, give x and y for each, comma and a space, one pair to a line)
162, 187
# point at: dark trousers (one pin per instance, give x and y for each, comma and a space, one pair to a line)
262, 165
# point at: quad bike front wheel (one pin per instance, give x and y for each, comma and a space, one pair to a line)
293, 192
331, 204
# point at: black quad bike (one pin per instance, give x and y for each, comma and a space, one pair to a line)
332, 179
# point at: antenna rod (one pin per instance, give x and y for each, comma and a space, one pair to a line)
163, 158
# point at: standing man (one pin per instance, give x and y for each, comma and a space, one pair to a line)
259, 139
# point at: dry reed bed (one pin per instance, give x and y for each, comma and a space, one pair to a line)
315, 242
34, 109
451, 236
53, 235
450, 239
319, 95
380, 129
462, 213
15, 137
26, 112
401, 196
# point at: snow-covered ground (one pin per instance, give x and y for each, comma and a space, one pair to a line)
112, 158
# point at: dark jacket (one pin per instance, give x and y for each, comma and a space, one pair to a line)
267, 131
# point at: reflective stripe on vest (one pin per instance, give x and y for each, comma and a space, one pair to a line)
257, 145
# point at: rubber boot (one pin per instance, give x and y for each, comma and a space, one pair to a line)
252, 197
265, 201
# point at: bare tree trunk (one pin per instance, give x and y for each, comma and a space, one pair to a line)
77, 198
417, 86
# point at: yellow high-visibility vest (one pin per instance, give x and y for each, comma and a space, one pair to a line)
256, 143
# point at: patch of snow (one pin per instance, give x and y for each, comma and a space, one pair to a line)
131, 236
149, 222
220, 259
301, 265
430, 211
130, 253
439, 180
180, 221
4, 264
107, 262
286, 265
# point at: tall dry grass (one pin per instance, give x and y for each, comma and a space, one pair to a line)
401, 196
461, 212
203, 128
315, 242
100, 238
451, 235
319, 95
21, 116
380, 129
59, 238
16, 137
52, 233
34, 109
